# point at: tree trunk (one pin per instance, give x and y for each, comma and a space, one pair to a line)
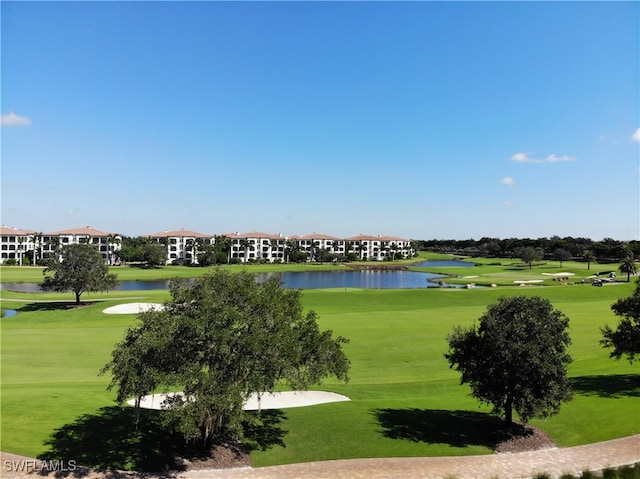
137, 410
508, 411
77, 297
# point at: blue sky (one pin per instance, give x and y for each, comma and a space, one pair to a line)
423, 120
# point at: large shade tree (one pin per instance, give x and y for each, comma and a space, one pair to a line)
625, 339
529, 254
516, 359
80, 268
220, 340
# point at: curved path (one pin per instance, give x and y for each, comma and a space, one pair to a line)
555, 461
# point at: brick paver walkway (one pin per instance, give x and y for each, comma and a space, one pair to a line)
555, 461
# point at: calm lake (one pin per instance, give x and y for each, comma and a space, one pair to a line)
376, 279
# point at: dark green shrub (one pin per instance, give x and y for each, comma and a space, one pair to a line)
609, 473
629, 472
588, 475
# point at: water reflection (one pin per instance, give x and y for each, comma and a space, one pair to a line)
369, 279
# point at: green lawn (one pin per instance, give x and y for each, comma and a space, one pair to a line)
34, 274
405, 399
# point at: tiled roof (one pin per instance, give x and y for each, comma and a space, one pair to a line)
87, 230
181, 233
375, 238
318, 236
15, 231
392, 238
258, 234
363, 238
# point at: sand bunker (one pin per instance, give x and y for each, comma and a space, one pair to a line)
529, 281
559, 274
277, 400
133, 308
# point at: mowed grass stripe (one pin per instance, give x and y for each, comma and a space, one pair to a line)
51, 357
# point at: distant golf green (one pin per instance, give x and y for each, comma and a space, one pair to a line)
405, 401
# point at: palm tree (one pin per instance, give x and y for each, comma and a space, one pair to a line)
347, 248
246, 245
21, 241
289, 247
628, 266
54, 244
273, 243
335, 246
590, 257
37, 247
166, 241
112, 239
192, 245
395, 247
223, 243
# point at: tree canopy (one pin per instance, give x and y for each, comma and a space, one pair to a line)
529, 254
79, 268
220, 340
625, 339
628, 266
516, 359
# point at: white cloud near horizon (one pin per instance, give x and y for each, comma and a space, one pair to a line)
13, 119
636, 136
507, 180
525, 158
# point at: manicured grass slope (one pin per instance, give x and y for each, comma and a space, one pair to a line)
405, 399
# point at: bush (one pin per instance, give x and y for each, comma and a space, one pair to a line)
10, 262
588, 475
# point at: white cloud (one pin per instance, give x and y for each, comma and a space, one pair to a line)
556, 159
524, 158
13, 119
520, 158
507, 180
508, 204
636, 136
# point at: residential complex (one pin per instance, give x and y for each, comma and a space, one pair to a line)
183, 245
33, 246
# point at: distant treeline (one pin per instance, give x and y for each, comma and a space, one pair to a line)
579, 249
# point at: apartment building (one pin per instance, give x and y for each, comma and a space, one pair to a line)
257, 246
28, 246
183, 246
16, 244
378, 248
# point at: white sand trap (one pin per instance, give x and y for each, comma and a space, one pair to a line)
528, 281
278, 400
281, 400
133, 308
469, 277
559, 274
